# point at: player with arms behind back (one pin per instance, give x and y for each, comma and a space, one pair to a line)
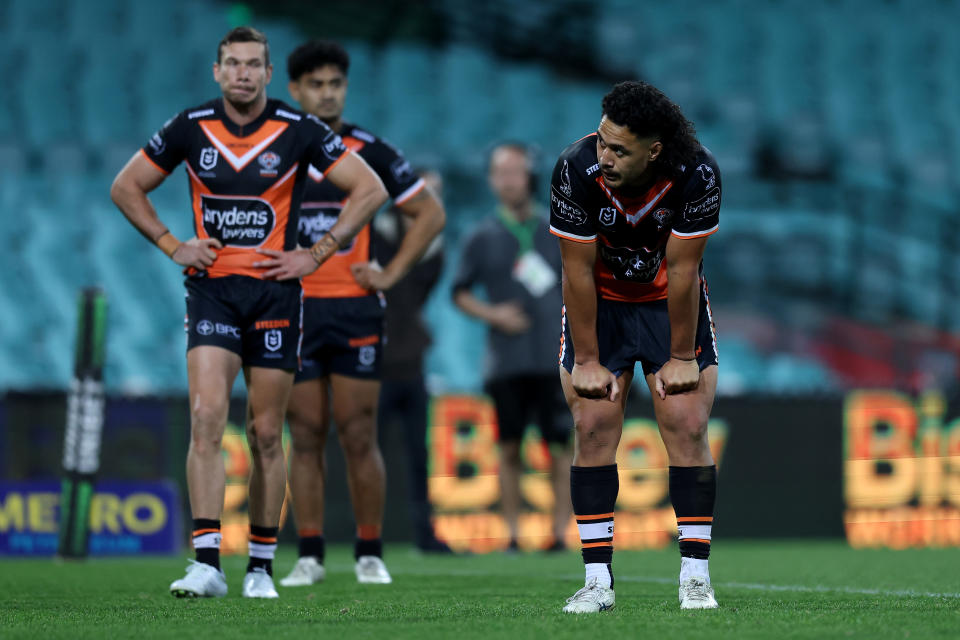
343, 325
633, 204
247, 159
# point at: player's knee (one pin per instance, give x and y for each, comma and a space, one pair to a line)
357, 441
207, 422
510, 452
690, 427
264, 437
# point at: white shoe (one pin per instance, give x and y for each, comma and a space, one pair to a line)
371, 570
259, 584
592, 598
202, 581
696, 593
307, 571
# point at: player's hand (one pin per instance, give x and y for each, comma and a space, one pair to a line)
286, 265
593, 380
677, 376
196, 253
509, 318
371, 275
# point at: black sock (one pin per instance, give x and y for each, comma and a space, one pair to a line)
312, 546
368, 548
206, 541
693, 492
593, 491
263, 545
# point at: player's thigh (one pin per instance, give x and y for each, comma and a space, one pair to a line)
268, 392
354, 404
685, 414
210, 375
593, 415
308, 413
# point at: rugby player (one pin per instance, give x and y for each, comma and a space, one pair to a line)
247, 159
343, 324
632, 205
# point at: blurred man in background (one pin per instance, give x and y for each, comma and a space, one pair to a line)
512, 257
343, 325
633, 204
243, 309
403, 396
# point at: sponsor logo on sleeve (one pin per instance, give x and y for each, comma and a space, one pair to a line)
704, 207
565, 209
592, 169
608, 215
157, 143
706, 172
333, 146
237, 222
401, 170
565, 180
208, 158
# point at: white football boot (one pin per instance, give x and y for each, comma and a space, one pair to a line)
371, 570
201, 581
696, 593
259, 584
592, 598
307, 571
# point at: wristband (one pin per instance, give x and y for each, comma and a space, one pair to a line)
317, 251
168, 243
683, 359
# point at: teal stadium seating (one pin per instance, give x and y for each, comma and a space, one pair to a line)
865, 91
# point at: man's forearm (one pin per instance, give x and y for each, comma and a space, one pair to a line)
683, 303
137, 208
426, 225
358, 211
472, 305
580, 301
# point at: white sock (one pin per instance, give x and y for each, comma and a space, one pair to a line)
694, 568
599, 571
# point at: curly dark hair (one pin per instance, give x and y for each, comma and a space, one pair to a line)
315, 54
643, 109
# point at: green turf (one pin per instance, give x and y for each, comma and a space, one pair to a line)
765, 589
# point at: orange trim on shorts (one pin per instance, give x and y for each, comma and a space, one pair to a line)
695, 519
591, 545
200, 532
263, 539
696, 540
599, 516
364, 341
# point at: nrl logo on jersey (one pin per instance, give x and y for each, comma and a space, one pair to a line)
208, 158
608, 215
269, 161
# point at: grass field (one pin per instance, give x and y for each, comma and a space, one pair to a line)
765, 589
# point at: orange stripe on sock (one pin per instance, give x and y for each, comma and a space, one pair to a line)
695, 519
200, 532
599, 516
309, 533
263, 539
591, 545
368, 531
696, 540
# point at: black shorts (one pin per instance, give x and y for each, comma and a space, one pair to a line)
631, 332
342, 336
259, 320
520, 400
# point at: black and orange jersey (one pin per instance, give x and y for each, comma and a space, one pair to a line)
631, 232
246, 182
322, 202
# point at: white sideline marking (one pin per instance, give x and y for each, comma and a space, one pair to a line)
756, 586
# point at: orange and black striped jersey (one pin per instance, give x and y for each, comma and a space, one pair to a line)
322, 202
246, 182
631, 231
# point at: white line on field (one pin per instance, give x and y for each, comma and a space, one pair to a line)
756, 586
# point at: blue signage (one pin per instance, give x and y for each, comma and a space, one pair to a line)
126, 518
